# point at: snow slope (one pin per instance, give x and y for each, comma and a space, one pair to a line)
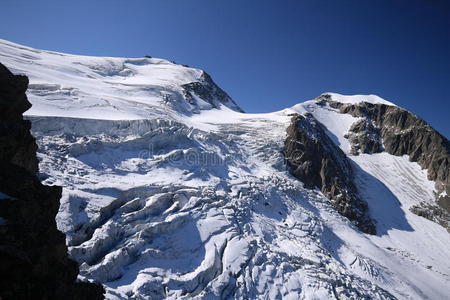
165, 199
105, 87
355, 99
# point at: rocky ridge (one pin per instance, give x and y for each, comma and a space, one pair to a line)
399, 132
314, 159
207, 90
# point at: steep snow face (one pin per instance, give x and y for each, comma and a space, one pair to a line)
167, 202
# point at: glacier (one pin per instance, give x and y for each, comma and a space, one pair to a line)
170, 191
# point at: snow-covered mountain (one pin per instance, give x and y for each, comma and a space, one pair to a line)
171, 191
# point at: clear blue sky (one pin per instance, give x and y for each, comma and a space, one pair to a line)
267, 55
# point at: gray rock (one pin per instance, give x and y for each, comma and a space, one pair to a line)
433, 213
400, 132
364, 137
314, 159
207, 90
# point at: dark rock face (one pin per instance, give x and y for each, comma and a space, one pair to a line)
364, 137
33, 255
314, 159
207, 90
17, 145
401, 133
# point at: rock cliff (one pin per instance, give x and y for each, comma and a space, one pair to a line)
33, 255
318, 162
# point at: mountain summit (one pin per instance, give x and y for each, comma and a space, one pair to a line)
112, 88
170, 191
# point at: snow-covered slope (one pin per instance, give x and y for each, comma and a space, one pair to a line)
179, 197
107, 87
354, 99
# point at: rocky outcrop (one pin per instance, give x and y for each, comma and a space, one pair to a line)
399, 132
433, 213
207, 90
33, 255
17, 145
314, 159
364, 137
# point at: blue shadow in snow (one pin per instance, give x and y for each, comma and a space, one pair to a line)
384, 207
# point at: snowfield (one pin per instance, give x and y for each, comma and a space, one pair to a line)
167, 197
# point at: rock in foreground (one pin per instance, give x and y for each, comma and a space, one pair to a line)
33, 255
